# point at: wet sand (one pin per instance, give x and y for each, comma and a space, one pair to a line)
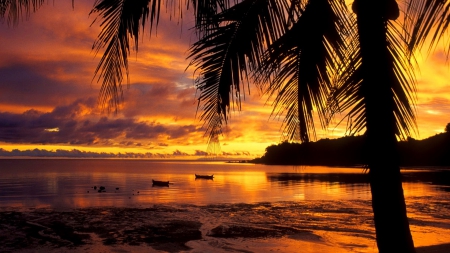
314, 226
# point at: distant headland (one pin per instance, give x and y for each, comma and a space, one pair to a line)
348, 151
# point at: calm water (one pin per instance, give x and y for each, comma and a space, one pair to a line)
68, 183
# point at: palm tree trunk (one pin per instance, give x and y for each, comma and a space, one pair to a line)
388, 201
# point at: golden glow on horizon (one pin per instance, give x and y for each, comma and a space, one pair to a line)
155, 149
21, 109
53, 148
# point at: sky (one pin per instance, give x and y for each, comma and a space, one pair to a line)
48, 98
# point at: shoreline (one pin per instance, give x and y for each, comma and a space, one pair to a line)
320, 226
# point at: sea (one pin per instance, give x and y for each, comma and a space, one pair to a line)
328, 207
75, 183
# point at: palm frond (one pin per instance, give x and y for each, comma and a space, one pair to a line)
345, 94
424, 18
121, 21
297, 68
404, 88
205, 11
225, 54
350, 95
14, 10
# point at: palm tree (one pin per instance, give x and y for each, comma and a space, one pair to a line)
320, 56
311, 56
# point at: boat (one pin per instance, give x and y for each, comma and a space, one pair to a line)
160, 183
204, 176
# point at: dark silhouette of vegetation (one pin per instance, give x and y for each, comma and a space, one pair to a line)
348, 151
432, 151
345, 151
311, 56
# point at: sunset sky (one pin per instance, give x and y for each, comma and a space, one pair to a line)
48, 100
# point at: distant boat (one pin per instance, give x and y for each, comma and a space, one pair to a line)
204, 176
160, 183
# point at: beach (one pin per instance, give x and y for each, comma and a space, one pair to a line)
314, 226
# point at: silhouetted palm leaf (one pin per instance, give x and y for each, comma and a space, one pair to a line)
424, 17
13, 10
121, 20
350, 96
225, 53
299, 66
205, 11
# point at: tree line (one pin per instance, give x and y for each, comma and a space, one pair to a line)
349, 151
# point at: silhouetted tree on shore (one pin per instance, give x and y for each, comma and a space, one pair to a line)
348, 151
307, 54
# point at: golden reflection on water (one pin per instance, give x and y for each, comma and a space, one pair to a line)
414, 189
246, 187
71, 182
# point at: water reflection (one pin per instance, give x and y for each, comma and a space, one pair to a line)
340, 178
322, 185
436, 177
69, 183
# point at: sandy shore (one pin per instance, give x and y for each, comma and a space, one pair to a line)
263, 227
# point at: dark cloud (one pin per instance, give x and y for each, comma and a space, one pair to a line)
75, 153
242, 153
75, 124
29, 85
201, 153
179, 153
71, 153
159, 99
130, 144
